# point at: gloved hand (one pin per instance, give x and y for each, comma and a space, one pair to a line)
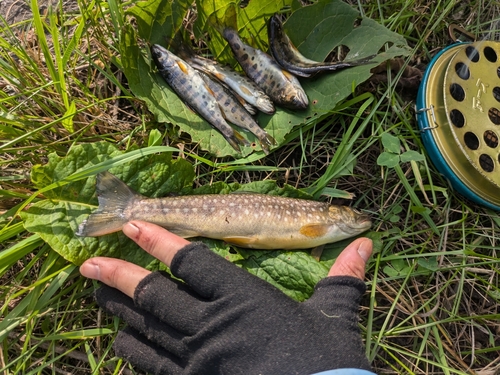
223, 320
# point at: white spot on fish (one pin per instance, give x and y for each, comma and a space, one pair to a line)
268, 213
221, 212
309, 215
177, 210
303, 208
287, 212
223, 201
256, 215
186, 210
205, 207
232, 204
279, 216
212, 209
247, 212
299, 214
194, 209
321, 209
318, 217
174, 202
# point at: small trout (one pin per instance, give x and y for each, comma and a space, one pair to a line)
191, 88
240, 84
281, 86
289, 57
255, 221
235, 113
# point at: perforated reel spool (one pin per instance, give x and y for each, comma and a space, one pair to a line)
458, 108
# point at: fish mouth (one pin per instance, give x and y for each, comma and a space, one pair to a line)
301, 101
265, 105
360, 225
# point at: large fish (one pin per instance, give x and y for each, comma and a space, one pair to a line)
287, 55
249, 220
281, 86
235, 113
191, 88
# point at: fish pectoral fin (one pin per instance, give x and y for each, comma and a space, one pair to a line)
241, 240
317, 251
288, 75
314, 230
183, 67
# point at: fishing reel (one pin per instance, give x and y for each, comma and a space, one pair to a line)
458, 113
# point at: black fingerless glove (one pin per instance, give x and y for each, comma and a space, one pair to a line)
223, 320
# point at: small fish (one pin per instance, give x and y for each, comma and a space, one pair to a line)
281, 86
236, 114
240, 84
256, 221
191, 88
289, 57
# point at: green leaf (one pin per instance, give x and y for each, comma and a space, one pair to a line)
430, 264
155, 138
67, 121
391, 143
388, 159
412, 156
295, 273
398, 267
157, 19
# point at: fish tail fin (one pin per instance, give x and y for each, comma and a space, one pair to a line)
114, 197
363, 61
266, 141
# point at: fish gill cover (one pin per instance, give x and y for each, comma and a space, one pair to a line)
315, 29
57, 214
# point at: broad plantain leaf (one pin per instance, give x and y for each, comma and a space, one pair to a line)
316, 30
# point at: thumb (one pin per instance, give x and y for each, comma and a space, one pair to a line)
352, 260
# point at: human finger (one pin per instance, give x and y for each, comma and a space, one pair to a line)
117, 273
155, 240
352, 260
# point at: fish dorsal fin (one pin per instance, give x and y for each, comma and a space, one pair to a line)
314, 230
242, 241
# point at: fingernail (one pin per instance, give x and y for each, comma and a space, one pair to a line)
131, 230
365, 249
90, 270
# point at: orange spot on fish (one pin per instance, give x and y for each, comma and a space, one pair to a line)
183, 67
314, 230
245, 90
